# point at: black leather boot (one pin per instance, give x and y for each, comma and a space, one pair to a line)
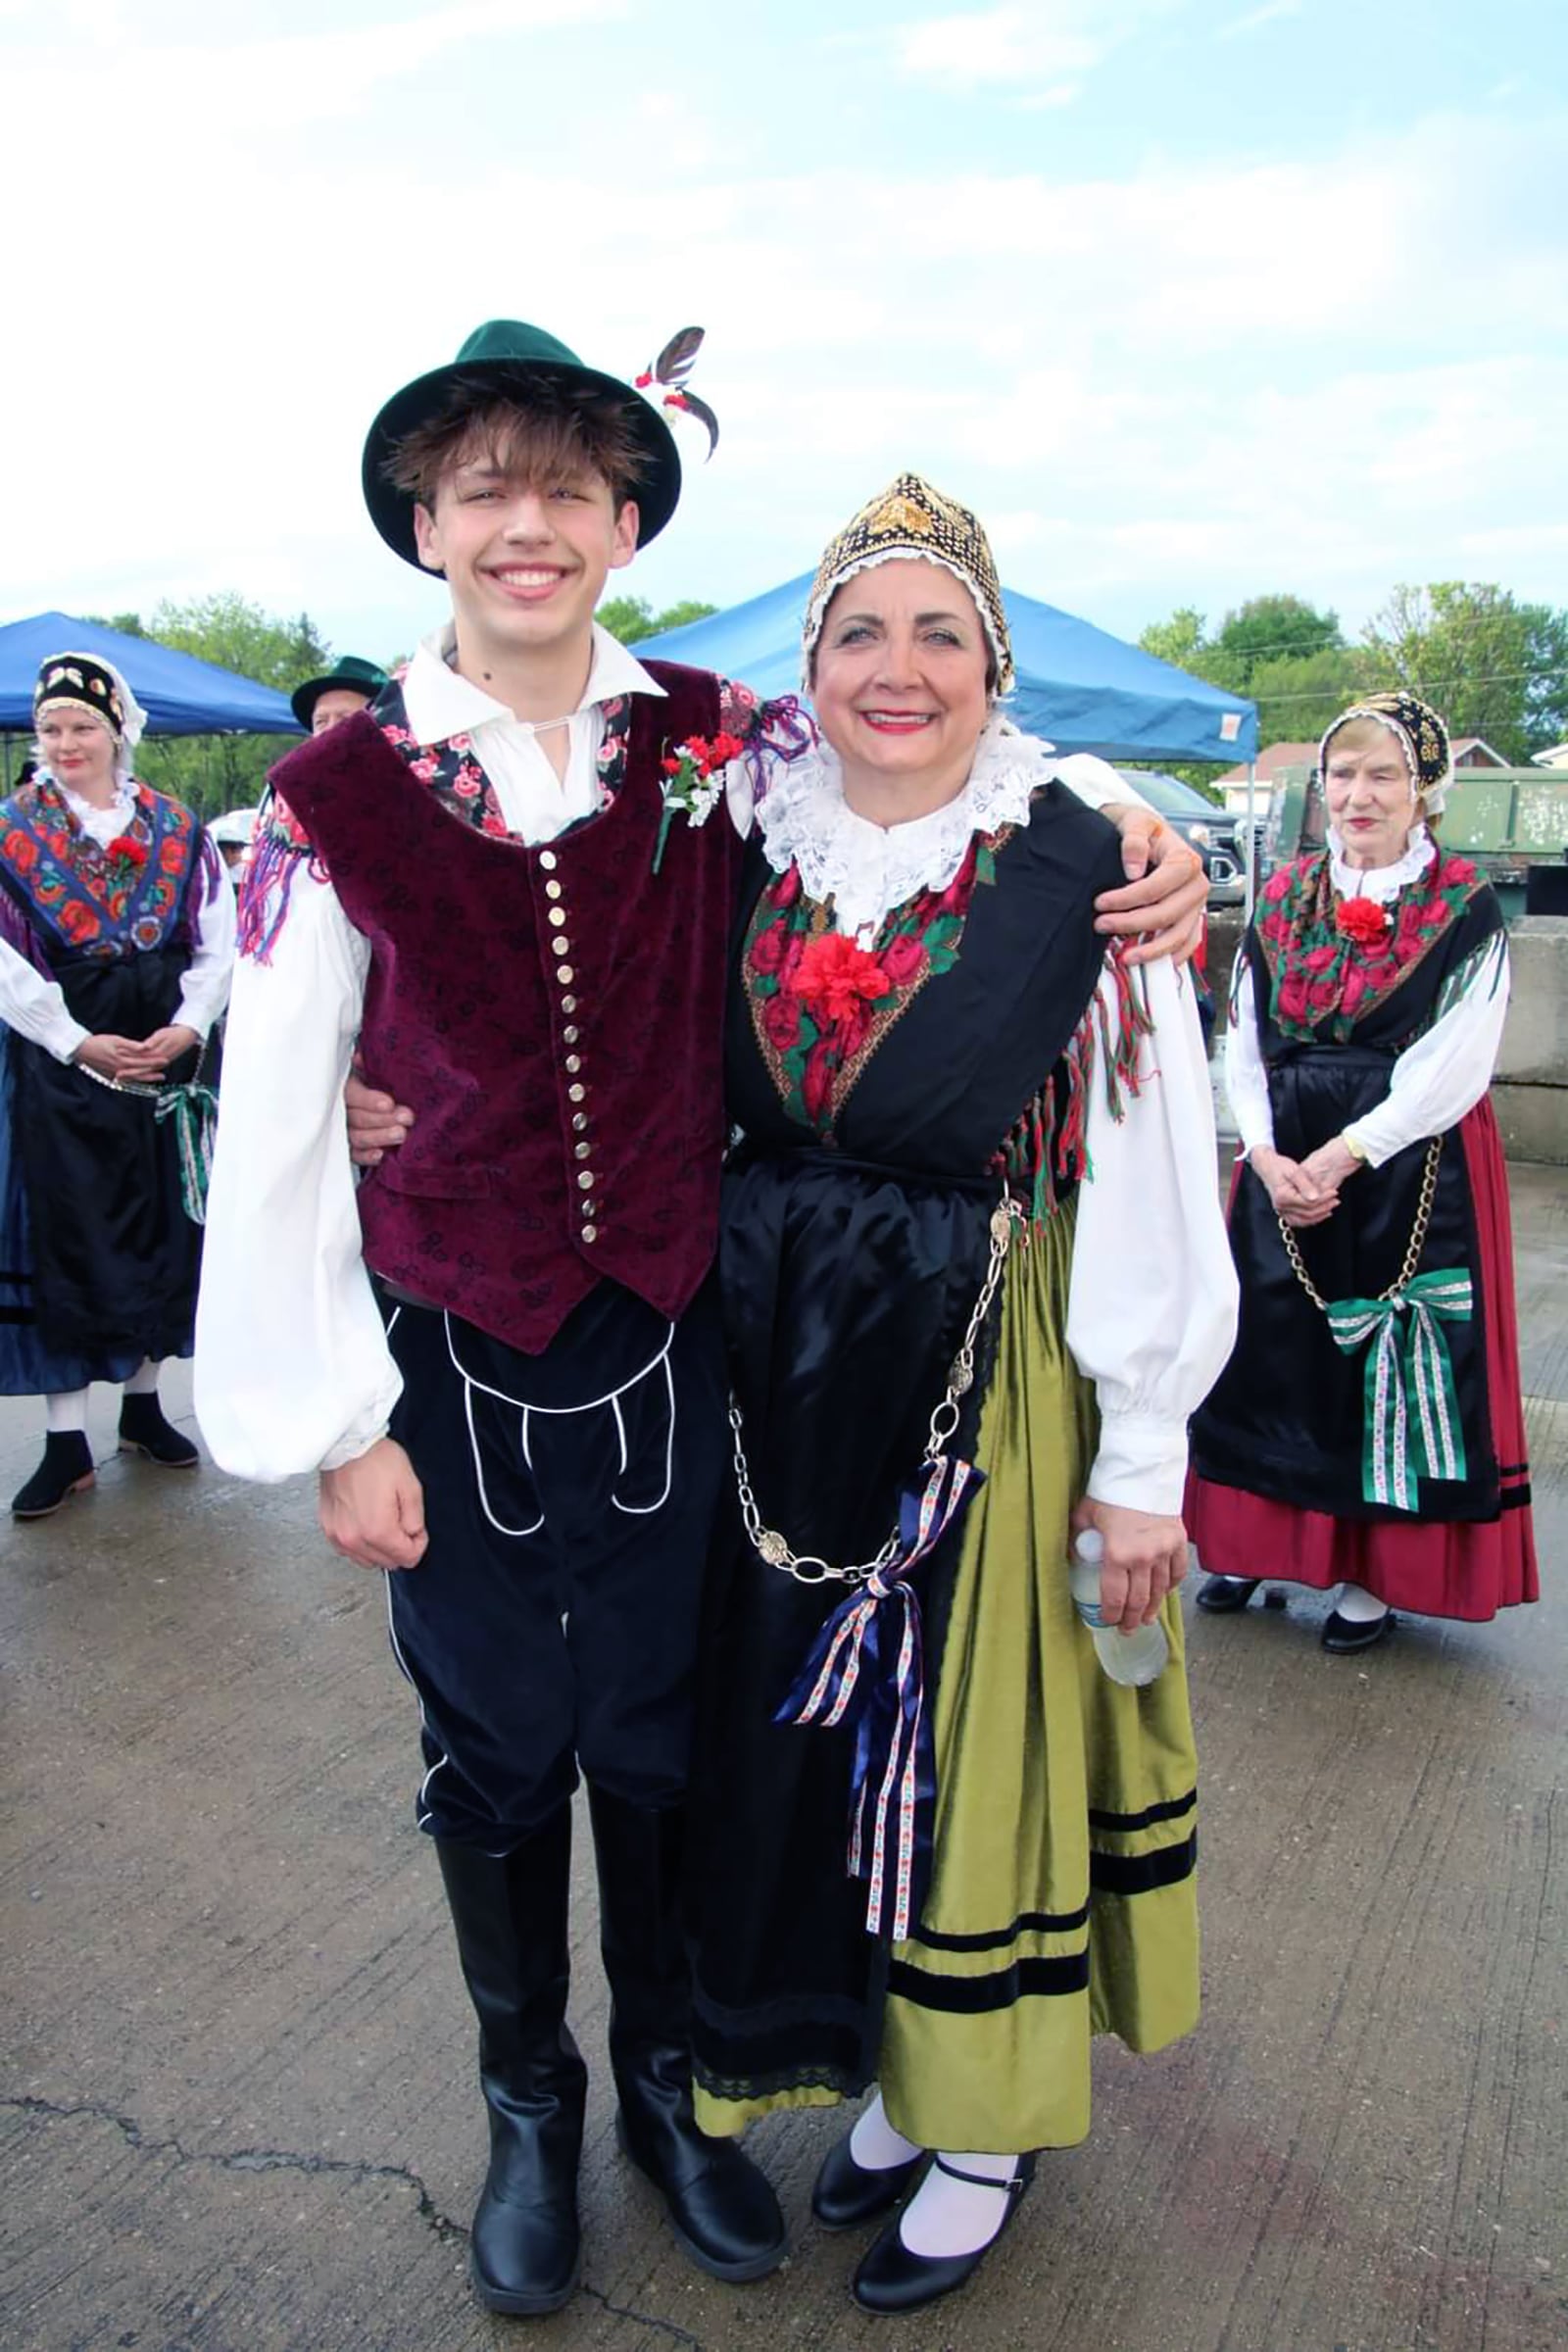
511, 1919
65, 1468
721, 2207
144, 1429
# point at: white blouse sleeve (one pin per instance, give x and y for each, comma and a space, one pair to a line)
1097, 783
1151, 1298
203, 991
293, 1371
35, 1007
1246, 1078
1447, 1069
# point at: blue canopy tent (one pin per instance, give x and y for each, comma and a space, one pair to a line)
180, 695
1080, 688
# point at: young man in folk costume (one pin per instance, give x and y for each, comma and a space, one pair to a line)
503, 1354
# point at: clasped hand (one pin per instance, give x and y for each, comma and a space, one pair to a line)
1305, 1191
372, 1509
137, 1060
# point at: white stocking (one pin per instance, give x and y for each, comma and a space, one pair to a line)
1358, 1606
143, 1382
957, 2217
874, 2144
65, 1412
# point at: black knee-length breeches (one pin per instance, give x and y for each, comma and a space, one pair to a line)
569, 1498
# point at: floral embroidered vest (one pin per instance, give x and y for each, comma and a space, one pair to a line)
86, 901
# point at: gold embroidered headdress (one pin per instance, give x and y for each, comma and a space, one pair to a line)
910, 518
1419, 732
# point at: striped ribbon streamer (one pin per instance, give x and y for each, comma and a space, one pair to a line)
856, 1672
194, 1111
1411, 1412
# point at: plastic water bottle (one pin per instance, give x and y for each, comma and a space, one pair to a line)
1135, 1658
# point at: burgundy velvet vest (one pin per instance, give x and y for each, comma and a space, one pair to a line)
567, 1075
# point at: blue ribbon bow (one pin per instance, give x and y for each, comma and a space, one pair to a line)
866, 1666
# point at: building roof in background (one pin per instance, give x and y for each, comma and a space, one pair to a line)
1463, 747
1276, 756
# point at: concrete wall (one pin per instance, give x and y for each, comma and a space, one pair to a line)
1530, 1093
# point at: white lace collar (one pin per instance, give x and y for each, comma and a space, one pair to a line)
868, 870
1380, 883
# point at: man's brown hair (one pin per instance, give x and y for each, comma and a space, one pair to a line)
555, 434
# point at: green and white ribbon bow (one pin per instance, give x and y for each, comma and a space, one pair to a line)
1411, 1426
194, 1111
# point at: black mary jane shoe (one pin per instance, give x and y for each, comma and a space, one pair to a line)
1223, 1595
890, 2280
65, 1469
144, 1429
1344, 1635
848, 2194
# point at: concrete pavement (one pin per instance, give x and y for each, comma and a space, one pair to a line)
236, 2101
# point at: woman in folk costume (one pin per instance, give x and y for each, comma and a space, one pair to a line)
117, 938
1368, 1433
971, 1257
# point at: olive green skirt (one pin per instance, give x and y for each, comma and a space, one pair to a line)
1064, 1901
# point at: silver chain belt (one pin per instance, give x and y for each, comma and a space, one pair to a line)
805, 1567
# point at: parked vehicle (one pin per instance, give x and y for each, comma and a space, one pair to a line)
1209, 829
1513, 821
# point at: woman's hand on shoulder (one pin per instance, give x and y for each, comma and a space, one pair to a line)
1165, 893
1145, 1556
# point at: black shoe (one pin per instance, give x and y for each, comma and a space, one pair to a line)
1344, 1635
1222, 1594
892, 2281
847, 2193
143, 1430
511, 1915
721, 2206
66, 1470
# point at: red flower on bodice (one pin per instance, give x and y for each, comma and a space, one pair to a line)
835, 978
1361, 919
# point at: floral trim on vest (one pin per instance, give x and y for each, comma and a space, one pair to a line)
1330, 962
106, 903
821, 1004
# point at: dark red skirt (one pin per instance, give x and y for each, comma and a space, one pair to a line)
1433, 1568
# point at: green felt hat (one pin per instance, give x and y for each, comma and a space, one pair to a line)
505, 359
349, 673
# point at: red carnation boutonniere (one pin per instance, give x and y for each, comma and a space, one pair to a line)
1362, 920
694, 778
835, 976
126, 851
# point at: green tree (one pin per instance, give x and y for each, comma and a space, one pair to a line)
630, 618
214, 773
1297, 695
1272, 629
1493, 666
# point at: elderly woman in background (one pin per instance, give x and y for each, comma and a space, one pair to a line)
938, 1326
1368, 1433
117, 940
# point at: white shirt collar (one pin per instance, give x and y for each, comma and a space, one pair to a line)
440, 703
868, 870
1380, 883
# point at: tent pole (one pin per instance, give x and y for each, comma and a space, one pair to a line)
1251, 838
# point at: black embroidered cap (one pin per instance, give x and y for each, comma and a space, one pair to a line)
1419, 732
78, 680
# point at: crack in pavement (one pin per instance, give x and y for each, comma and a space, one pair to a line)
644, 2319
247, 2160
284, 2160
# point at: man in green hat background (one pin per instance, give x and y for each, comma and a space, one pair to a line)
503, 1354
351, 684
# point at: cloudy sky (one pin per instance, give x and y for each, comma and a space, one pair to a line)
1191, 298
